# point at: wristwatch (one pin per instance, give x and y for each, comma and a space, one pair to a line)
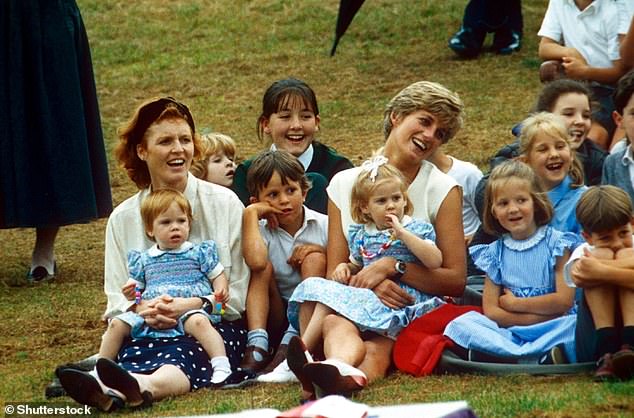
206, 306
401, 268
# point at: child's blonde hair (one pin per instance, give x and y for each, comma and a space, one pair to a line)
213, 144
157, 202
501, 176
550, 124
604, 208
366, 184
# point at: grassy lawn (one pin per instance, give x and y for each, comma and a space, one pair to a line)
218, 56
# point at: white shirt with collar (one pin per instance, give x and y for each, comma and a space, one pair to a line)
594, 31
280, 244
217, 213
305, 159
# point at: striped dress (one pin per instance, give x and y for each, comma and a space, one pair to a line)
527, 269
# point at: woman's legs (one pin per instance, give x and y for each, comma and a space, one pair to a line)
168, 380
311, 316
44, 249
337, 329
378, 357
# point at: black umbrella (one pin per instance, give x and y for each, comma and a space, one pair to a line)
347, 10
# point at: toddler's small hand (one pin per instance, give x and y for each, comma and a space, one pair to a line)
128, 289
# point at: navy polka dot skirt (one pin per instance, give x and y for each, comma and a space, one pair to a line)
148, 354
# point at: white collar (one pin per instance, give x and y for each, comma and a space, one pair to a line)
628, 156
155, 251
527, 243
305, 159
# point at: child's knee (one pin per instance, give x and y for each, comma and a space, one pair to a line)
314, 264
195, 322
603, 253
624, 253
118, 327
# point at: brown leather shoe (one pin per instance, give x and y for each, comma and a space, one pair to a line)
605, 369
279, 357
249, 362
623, 363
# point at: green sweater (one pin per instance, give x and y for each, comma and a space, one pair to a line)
324, 165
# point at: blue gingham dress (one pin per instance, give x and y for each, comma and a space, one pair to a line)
527, 269
362, 306
183, 272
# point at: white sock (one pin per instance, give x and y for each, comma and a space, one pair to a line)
221, 367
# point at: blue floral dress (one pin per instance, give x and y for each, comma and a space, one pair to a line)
362, 306
184, 272
527, 269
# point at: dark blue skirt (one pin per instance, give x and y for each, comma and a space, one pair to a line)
53, 168
148, 354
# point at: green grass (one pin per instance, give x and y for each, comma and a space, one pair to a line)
219, 56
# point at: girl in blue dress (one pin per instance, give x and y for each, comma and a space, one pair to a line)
528, 309
545, 147
381, 207
175, 267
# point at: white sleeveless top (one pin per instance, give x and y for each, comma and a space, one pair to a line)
427, 192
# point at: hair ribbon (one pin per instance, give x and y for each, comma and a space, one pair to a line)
372, 166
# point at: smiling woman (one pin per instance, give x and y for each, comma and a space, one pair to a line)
416, 122
156, 149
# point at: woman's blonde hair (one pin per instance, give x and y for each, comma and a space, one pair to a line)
365, 185
212, 144
445, 105
157, 202
132, 133
550, 124
513, 171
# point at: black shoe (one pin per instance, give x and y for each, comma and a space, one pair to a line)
84, 388
505, 42
481, 357
237, 379
116, 377
555, 355
467, 43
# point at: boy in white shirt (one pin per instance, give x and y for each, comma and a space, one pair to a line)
604, 268
584, 36
283, 243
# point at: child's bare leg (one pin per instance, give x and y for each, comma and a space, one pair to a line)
112, 339
257, 304
314, 265
626, 296
602, 299
199, 327
313, 333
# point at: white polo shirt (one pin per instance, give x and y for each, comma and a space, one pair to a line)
280, 244
593, 32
